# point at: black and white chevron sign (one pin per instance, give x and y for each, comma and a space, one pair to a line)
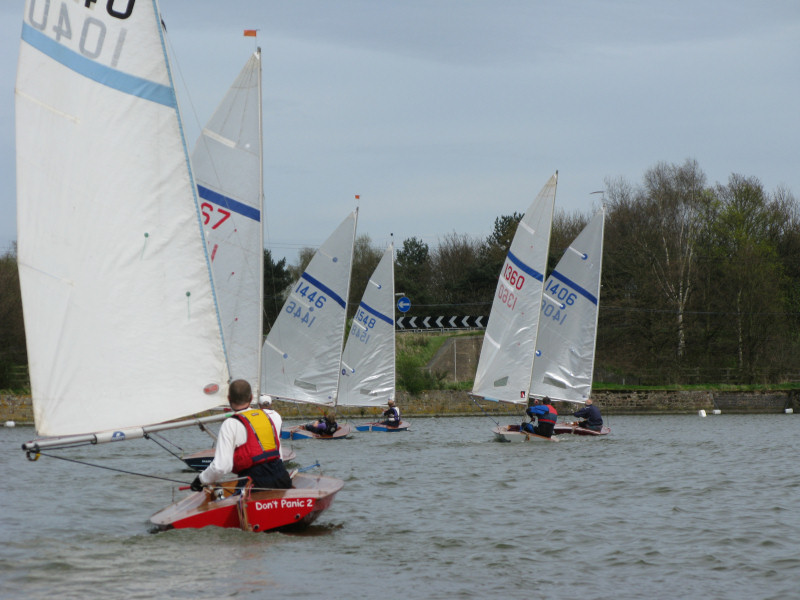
462, 322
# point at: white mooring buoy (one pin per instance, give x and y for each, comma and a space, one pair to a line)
717, 411
701, 412
10, 424
789, 411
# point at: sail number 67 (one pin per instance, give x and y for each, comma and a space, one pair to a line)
208, 209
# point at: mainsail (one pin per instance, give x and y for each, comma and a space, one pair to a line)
368, 362
228, 169
302, 354
506, 360
564, 361
120, 315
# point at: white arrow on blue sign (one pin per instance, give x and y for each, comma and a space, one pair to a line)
403, 304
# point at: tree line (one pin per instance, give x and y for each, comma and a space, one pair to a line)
700, 282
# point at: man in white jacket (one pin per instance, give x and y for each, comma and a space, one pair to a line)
248, 444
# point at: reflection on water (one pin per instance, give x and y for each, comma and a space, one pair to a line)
664, 507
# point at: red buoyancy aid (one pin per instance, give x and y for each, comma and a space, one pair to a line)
263, 443
550, 417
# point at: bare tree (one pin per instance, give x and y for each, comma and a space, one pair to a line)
675, 202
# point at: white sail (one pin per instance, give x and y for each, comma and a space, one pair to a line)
564, 362
302, 354
227, 166
120, 315
368, 362
504, 367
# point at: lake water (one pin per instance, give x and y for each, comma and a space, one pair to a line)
664, 507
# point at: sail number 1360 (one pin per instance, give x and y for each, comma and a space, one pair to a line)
514, 277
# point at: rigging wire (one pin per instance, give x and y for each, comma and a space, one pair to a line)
153, 437
316, 464
80, 462
471, 397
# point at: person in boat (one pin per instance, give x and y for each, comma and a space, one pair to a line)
248, 444
545, 415
391, 416
265, 402
590, 415
327, 425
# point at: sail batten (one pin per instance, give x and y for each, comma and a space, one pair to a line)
368, 373
307, 336
120, 316
507, 354
227, 166
565, 348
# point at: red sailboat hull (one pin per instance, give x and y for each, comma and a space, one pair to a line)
264, 510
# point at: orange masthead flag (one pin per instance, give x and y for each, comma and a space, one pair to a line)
250, 32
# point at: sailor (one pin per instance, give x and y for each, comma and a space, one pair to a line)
590, 415
265, 402
248, 444
545, 414
534, 409
391, 416
327, 425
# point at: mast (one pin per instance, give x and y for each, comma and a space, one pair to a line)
261, 228
394, 342
541, 295
347, 304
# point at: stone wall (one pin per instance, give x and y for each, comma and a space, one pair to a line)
16, 408
458, 403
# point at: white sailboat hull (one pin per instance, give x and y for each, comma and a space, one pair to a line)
504, 434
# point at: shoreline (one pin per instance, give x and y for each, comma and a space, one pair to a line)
449, 403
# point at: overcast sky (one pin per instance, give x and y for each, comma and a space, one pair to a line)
444, 114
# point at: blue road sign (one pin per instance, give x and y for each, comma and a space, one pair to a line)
403, 304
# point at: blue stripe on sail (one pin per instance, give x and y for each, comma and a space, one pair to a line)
234, 205
315, 282
525, 268
372, 311
123, 82
585, 293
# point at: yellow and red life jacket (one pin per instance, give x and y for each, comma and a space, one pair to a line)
263, 442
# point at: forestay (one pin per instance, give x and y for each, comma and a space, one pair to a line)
228, 166
302, 354
368, 362
120, 316
506, 360
565, 347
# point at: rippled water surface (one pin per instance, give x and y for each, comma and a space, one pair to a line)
664, 507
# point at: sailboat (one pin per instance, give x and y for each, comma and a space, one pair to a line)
228, 167
123, 332
368, 362
565, 347
301, 357
506, 360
